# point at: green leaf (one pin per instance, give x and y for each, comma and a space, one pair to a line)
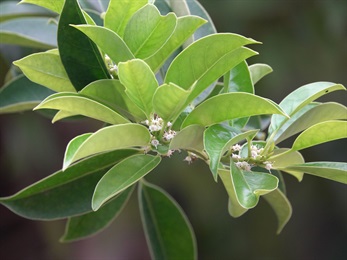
168, 231
230, 106
240, 79
121, 176
110, 138
281, 205
258, 71
64, 194
321, 133
119, 13
54, 5
147, 31
79, 105
46, 69
300, 98
79, 55
36, 32
108, 41
62, 115
234, 208
91, 223
140, 83
249, 186
308, 116
186, 26
190, 138
218, 139
21, 94
336, 171
283, 158
112, 93
169, 100
206, 60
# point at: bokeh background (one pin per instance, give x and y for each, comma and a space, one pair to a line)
303, 41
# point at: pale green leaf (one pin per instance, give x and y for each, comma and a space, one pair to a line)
80, 105
140, 83
53, 5
321, 133
190, 138
147, 31
168, 232
121, 176
230, 106
281, 205
258, 71
46, 69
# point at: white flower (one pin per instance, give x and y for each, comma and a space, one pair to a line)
169, 153
235, 156
268, 165
155, 143
244, 166
169, 135
236, 147
169, 124
154, 128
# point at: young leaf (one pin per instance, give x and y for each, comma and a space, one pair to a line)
218, 139
206, 60
114, 137
146, 36
186, 26
234, 208
140, 83
190, 138
321, 133
249, 186
21, 94
258, 71
53, 5
123, 175
108, 41
230, 106
79, 55
91, 223
281, 205
64, 194
310, 115
79, 105
336, 171
169, 100
300, 98
46, 69
119, 13
38, 32
168, 231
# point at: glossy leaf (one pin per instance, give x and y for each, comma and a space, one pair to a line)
92, 223
119, 13
53, 5
190, 138
185, 27
300, 98
336, 171
108, 41
258, 71
146, 36
206, 60
121, 176
218, 139
281, 206
38, 32
281, 158
110, 138
230, 106
169, 101
240, 79
249, 186
321, 133
234, 208
21, 94
64, 194
308, 116
112, 93
79, 105
46, 69
140, 83
168, 231
79, 55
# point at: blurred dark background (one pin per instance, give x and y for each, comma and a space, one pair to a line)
303, 41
